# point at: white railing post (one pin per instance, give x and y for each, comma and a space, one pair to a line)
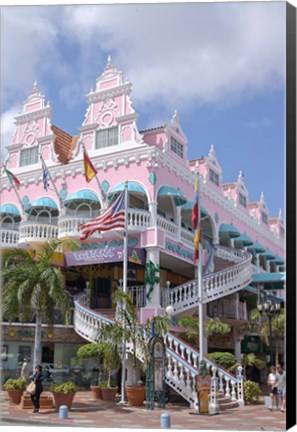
240, 389
213, 404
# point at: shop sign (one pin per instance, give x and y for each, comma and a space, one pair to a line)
177, 249
102, 256
250, 344
133, 242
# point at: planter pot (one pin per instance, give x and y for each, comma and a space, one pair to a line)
15, 396
135, 395
46, 402
109, 393
63, 399
96, 391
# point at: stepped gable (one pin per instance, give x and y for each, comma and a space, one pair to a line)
64, 144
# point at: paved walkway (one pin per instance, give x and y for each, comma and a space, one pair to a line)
88, 412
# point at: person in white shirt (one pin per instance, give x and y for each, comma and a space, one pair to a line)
281, 385
272, 383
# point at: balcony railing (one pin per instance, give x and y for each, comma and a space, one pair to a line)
9, 237
37, 232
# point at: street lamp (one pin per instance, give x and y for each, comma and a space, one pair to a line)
270, 309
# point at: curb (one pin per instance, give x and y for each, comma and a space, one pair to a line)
36, 422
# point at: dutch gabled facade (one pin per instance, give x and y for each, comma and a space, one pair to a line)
242, 244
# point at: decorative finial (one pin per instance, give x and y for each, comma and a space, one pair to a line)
175, 118
262, 197
212, 152
109, 63
35, 88
241, 176
280, 215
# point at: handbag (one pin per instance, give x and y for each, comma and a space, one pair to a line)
31, 388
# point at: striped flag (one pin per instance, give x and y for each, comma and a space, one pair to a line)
90, 170
196, 224
12, 178
113, 217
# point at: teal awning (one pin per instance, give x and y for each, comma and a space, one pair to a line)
132, 187
229, 231
279, 261
82, 196
244, 239
268, 254
178, 196
257, 247
189, 207
267, 296
270, 280
43, 202
10, 209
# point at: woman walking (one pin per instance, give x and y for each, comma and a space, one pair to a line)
272, 381
37, 378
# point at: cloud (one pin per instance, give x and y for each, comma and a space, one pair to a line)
259, 123
7, 129
174, 54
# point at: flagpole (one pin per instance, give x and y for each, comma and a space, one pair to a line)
16, 192
200, 285
125, 289
50, 177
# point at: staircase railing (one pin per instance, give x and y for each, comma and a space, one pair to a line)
215, 285
182, 359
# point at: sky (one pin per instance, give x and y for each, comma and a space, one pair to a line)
220, 65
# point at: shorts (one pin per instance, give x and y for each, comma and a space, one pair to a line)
273, 391
282, 392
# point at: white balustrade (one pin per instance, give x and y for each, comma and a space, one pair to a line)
186, 237
169, 227
9, 238
139, 219
69, 225
215, 285
34, 231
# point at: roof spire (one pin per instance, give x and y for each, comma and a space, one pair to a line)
212, 152
35, 88
109, 62
241, 176
280, 215
175, 118
262, 197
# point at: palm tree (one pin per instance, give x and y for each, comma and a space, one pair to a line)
33, 287
277, 326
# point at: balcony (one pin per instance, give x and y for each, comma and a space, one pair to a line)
138, 221
9, 237
37, 233
228, 309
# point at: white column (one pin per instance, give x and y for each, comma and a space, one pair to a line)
178, 222
153, 212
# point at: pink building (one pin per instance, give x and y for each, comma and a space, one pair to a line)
243, 246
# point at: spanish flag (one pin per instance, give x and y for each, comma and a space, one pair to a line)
196, 224
90, 170
12, 178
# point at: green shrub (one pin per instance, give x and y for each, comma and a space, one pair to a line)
15, 384
65, 387
224, 359
251, 391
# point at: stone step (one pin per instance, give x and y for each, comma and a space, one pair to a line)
229, 405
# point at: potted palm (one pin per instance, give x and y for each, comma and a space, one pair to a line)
63, 393
126, 330
94, 351
111, 362
15, 389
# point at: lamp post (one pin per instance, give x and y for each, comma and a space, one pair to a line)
270, 309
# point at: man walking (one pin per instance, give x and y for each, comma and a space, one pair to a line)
281, 386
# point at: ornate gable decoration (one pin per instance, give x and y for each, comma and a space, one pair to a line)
213, 160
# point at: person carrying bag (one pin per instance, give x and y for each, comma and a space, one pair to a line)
37, 379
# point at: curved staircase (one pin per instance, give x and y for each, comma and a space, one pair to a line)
232, 273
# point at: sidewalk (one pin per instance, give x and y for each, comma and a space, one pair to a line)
88, 412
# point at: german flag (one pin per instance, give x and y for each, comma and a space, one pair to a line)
90, 170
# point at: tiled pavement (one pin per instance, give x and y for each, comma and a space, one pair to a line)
88, 412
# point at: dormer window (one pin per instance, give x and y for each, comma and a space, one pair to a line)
214, 177
177, 147
107, 137
242, 200
29, 156
264, 218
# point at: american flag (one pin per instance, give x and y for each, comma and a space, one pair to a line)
113, 217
